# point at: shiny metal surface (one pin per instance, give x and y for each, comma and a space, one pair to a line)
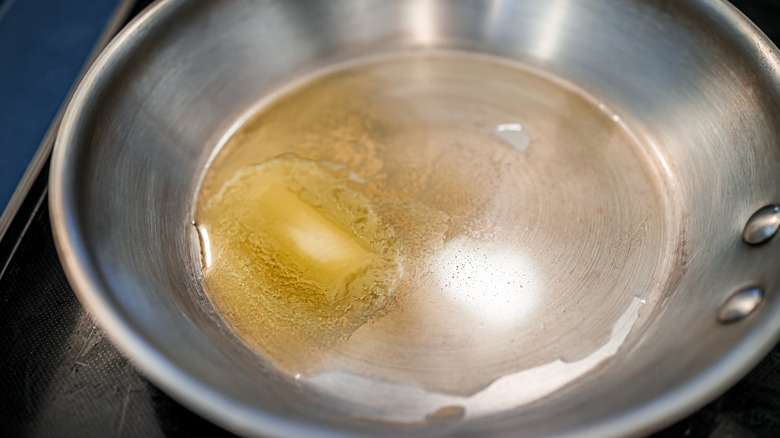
692, 86
762, 226
740, 305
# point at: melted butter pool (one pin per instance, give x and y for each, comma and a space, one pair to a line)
533, 231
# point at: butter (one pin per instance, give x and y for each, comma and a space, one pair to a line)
319, 248
298, 259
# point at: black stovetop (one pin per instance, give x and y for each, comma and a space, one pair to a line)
61, 376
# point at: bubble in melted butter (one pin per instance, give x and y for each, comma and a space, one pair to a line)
298, 259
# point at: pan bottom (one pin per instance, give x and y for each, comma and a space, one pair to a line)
534, 234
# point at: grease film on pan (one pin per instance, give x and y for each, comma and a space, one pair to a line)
436, 228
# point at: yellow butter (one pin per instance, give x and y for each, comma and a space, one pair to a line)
298, 259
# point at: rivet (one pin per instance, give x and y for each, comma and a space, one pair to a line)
740, 305
762, 225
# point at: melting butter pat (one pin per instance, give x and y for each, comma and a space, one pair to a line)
299, 259
303, 237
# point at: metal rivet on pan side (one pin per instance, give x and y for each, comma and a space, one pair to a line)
740, 305
762, 225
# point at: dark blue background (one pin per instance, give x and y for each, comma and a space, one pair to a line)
43, 46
